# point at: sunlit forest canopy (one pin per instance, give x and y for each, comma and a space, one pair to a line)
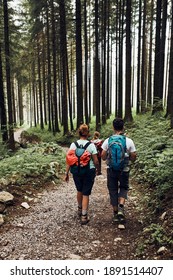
63, 62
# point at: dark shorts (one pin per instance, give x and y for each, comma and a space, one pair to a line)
118, 185
85, 182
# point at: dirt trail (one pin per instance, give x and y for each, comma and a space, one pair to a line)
50, 229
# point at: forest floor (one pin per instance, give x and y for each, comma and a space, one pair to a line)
50, 229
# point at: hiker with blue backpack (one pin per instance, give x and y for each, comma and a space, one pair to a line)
82, 162
118, 150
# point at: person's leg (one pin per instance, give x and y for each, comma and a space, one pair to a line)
112, 184
88, 183
79, 198
78, 183
85, 204
124, 187
121, 200
84, 215
79, 201
99, 168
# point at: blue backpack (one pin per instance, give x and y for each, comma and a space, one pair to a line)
116, 152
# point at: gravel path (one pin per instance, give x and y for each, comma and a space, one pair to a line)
50, 228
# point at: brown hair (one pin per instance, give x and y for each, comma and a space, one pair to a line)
83, 130
96, 135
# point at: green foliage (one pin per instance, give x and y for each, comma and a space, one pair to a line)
140, 249
45, 135
3, 150
154, 142
32, 162
156, 235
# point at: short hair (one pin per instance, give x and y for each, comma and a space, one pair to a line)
118, 124
83, 130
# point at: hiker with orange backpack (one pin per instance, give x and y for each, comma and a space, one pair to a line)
118, 150
98, 143
82, 162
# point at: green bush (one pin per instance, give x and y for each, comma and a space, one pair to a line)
32, 162
154, 142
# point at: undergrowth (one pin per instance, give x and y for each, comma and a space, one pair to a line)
154, 142
34, 161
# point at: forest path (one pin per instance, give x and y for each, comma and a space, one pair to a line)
50, 228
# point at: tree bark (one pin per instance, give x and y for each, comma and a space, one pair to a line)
128, 112
3, 117
79, 75
8, 76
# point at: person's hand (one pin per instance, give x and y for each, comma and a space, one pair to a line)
66, 177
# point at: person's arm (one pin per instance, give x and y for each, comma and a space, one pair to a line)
104, 155
131, 149
67, 173
132, 156
104, 149
95, 160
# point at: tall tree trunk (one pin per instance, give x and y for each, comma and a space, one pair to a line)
79, 64
139, 60
8, 76
3, 117
149, 95
117, 34
143, 78
121, 39
167, 67
170, 81
104, 16
128, 112
14, 105
157, 102
97, 69
63, 46
20, 102
89, 68
108, 63
69, 93
54, 104
39, 86
162, 48
86, 63
34, 93
44, 80
49, 91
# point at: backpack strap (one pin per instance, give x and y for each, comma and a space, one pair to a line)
86, 145
76, 144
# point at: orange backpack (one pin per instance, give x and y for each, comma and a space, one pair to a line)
79, 159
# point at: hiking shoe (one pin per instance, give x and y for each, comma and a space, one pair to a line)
115, 218
79, 211
121, 214
84, 219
